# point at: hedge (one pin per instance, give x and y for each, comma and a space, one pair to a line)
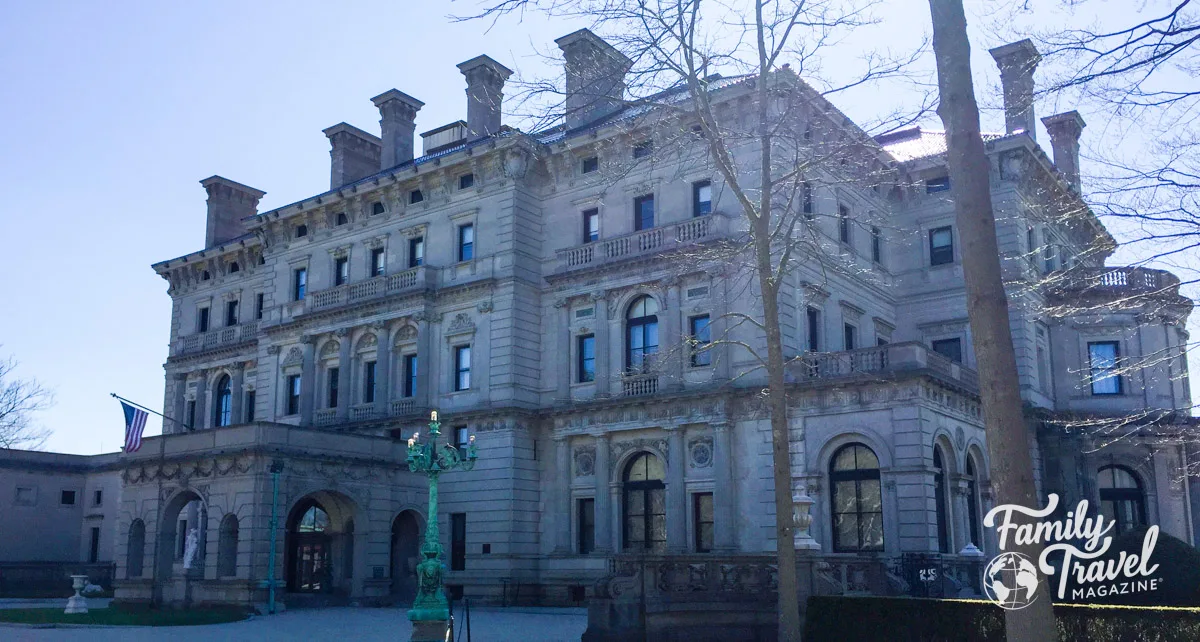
902, 619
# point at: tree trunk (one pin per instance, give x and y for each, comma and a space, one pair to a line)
987, 304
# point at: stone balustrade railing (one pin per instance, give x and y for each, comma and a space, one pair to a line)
411, 279
1114, 281
218, 338
325, 416
658, 239
879, 360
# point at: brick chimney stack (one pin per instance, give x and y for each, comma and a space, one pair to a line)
1064, 130
397, 124
1017, 61
485, 93
228, 204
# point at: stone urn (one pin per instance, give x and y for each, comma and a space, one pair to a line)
77, 603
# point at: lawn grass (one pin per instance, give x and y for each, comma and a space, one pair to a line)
126, 616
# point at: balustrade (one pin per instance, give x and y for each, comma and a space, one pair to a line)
658, 239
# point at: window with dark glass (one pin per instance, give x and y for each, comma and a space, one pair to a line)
949, 348
1121, 498
701, 334
856, 500
585, 516
231, 313
301, 231
462, 437
641, 332
67, 498
415, 197
234, 268
416, 251
1047, 252
190, 413
939, 496
332, 375
466, 181
644, 511
202, 320
341, 218
223, 413
94, 545
368, 382
849, 337
939, 184
462, 367
643, 149
941, 246
814, 329
299, 283
876, 244
701, 198
591, 225
806, 194
97, 498
1102, 360
458, 541
466, 242
251, 398
293, 394
589, 165
377, 262
844, 224
973, 501
410, 375
586, 365
341, 270
259, 300
643, 212
702, 521
376, 208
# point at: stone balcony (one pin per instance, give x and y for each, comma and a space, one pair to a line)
886, 360
1134, 285
367, 411
410, 280
665, 238
213, 339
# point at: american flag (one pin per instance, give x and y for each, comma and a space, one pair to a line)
135, 423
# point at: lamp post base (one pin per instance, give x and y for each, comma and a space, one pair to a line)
432, 630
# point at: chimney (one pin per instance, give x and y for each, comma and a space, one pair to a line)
1017, 61
1064, 130
485, 92
353, 153
595, 77
397, 123
228, 204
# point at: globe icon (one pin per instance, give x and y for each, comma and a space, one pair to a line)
1011, 580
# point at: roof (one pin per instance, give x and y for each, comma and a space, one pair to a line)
913, 143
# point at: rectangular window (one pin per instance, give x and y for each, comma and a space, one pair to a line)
466, 242
814, 330
586, 519
191, 414
589, 165
369, 382
416, 252
462, 437
1047, 253
415, 197
259, 300
1043, 366
251, 399
591, 225
299, 283
94, 546
466, 181
939, 184
376, 208
410, 375
586, 354
333, 374
377, 262
941, 245
949, 348
97, 498
844, 224
643, 212
462, 368
1102, 360
701, 198
701, 333
202, 319
231, 313
806, 195
293, 394
68, 498
341, 270
643, 149
458, 541
876, 244
702, 521
849, 336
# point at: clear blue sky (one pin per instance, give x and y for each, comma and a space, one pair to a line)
114, 111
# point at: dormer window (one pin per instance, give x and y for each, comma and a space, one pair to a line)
466, 181
415, 197
376, 208
204, 276
589, 165
234, 268
301, 231
341, 218
643, 149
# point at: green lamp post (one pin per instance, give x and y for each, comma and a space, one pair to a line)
432, 459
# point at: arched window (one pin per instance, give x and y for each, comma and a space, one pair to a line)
939, 494
644, 520
641, 333
223, 411
857, 500
973, 501
309, 551
1121, 498
136, 549
227, 545
314, 520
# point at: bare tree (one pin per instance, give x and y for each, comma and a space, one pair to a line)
20, 399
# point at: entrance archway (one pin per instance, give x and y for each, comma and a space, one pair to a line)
320, 544
406, 544
182, 531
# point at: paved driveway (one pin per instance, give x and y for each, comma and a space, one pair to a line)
340, 624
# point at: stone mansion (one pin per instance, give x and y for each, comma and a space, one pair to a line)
543, 293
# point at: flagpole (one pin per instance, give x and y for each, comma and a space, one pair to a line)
155, 582
138, 405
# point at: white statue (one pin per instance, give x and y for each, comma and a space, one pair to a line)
191, 547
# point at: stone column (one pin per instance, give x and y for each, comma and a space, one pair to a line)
274, 391
671, 348
562, 345
201, 421
236, 394
179, 403
606, 350
604, 516
676, 494
960, 516
383, 369
724, 495
562, 496
722, 355
425, 367
344, 398
307, 381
